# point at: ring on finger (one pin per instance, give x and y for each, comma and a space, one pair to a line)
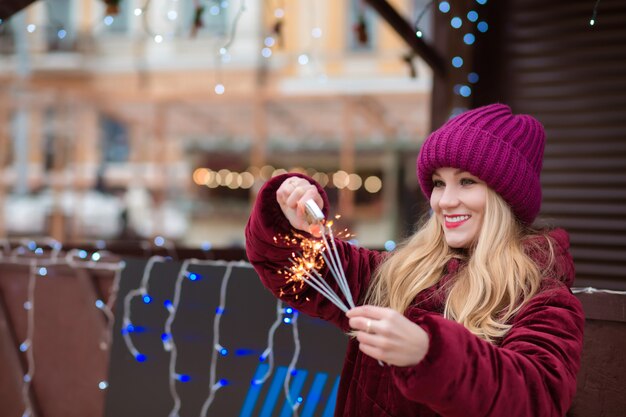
368, 326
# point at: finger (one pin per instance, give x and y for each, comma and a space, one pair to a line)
310, 193
369, 311
296, 195
372, 351
372, 339
363, 324
285, 190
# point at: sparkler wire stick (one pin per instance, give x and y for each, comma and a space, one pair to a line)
338, 272
315, 280
315, 216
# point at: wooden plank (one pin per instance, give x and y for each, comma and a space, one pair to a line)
11, 372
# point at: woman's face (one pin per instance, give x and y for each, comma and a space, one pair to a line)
458, 200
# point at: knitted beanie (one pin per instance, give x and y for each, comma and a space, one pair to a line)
500, 148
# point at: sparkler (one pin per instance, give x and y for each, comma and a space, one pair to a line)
314, 254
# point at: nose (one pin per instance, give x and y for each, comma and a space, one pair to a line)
449, 198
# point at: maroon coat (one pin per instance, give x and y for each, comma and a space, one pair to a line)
531, 372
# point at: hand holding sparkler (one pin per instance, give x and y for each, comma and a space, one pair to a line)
292, 196
297, 198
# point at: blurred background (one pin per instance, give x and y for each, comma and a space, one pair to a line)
133, 120
141, 120
147, 127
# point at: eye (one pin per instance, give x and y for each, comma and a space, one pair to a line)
467, 181
438, 183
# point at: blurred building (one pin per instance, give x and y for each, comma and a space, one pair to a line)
163, 120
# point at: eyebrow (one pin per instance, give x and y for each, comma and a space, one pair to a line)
457, 172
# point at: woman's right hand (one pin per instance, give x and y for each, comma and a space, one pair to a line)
291, 196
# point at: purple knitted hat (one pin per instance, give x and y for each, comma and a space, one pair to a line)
500, 148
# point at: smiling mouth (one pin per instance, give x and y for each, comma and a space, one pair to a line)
455, 221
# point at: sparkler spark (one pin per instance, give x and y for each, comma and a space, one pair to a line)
310, 259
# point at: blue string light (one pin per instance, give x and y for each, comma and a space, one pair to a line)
483, 2
39, 251
147, 299
465, 91
183, 378
100, 304
32, 245
287, 320
390, 245
168, 304
482, 26
219, 310
82, 254
457, 62
469, 38
96, 256
159, 241
472, 77
43, 271
140, 357
444, 7
193, 276
472, 16
223, 351
289, 310
456, 22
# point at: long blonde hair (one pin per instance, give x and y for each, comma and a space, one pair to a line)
497, 278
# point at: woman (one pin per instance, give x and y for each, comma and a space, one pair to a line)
472, 315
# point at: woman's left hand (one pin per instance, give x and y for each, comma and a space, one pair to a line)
388, 336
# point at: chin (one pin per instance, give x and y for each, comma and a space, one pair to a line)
457, 243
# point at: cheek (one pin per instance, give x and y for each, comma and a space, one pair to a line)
434, 201
478, 202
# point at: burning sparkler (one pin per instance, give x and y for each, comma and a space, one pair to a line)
314, 254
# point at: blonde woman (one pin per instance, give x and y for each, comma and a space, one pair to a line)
472, 315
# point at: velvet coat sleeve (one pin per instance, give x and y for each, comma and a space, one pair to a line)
269, 255
532, 372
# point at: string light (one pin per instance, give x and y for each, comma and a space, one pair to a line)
224, 56
127, 326
217, 348
39, 267
167, 337
592, 290
245, 180
268, 353
594, 14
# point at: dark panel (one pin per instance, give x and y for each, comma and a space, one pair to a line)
572, 76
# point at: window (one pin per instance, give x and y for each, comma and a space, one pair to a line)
115, 143
118, 23
60, 34
361, 26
